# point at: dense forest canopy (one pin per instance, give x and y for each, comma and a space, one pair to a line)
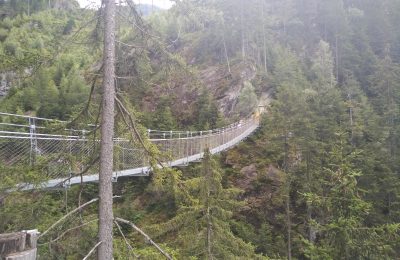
320, 179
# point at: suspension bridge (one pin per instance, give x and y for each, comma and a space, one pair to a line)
62, 157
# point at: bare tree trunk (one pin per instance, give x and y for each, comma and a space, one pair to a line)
264, 39
242, 30
337, 56
351, 117
105, 251
209, 230
208, 172
311, 230
289, 225
225, 49
288, 180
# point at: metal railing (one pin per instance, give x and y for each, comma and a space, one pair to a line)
27, 141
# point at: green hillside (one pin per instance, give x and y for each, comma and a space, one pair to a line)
318, 180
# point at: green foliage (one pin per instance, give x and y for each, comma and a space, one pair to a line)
332, 131
163, 119
208, 114
343, 234
247, 101
201, 225
3, 34
323, 66
53, 90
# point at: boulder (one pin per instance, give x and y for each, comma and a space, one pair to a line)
247, 175
275, 175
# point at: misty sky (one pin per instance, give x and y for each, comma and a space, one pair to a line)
160, 3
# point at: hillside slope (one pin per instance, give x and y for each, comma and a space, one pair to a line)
318, 180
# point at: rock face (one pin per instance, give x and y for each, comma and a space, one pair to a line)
274, 175
248, 175
5, 82
271, 175
226, 87
65, 5
263, 192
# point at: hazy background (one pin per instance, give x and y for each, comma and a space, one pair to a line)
160, 3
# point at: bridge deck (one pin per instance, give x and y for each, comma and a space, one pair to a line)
19, 148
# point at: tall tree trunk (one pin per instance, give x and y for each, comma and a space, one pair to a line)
209, 230
242, 30
337, 56
208, 176
311, 230
351, 117
288, 180
264, 39
105, 251
289, 224
225, 49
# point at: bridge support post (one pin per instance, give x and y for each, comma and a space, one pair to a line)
33, 140
19, 245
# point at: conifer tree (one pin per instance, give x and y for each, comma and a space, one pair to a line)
202, 224
342, 233
385, 98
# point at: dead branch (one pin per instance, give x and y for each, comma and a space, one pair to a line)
69, 230
131, 124
146, 236
70, 213
86, 108
67, 215
130, 45
91, 251
126, 240
87, 168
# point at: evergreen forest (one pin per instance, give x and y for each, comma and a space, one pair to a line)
319, 178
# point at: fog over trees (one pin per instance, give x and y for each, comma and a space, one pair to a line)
319, 179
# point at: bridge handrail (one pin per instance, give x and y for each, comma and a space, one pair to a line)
63, 153
153, 134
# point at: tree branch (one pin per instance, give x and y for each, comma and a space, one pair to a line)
146, 236
131, 124
92, 250
87, 168
70, 213
126, 240
67, 215
68, 230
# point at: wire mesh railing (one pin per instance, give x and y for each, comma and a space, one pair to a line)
27, 140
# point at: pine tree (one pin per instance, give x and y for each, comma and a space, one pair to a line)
342, 211
201, 225
385, 98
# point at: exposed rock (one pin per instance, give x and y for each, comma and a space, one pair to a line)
248, 175
65, 5
249, 171
232, 158
275, 175
226, 87
263, 192
265, 99
5, 82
